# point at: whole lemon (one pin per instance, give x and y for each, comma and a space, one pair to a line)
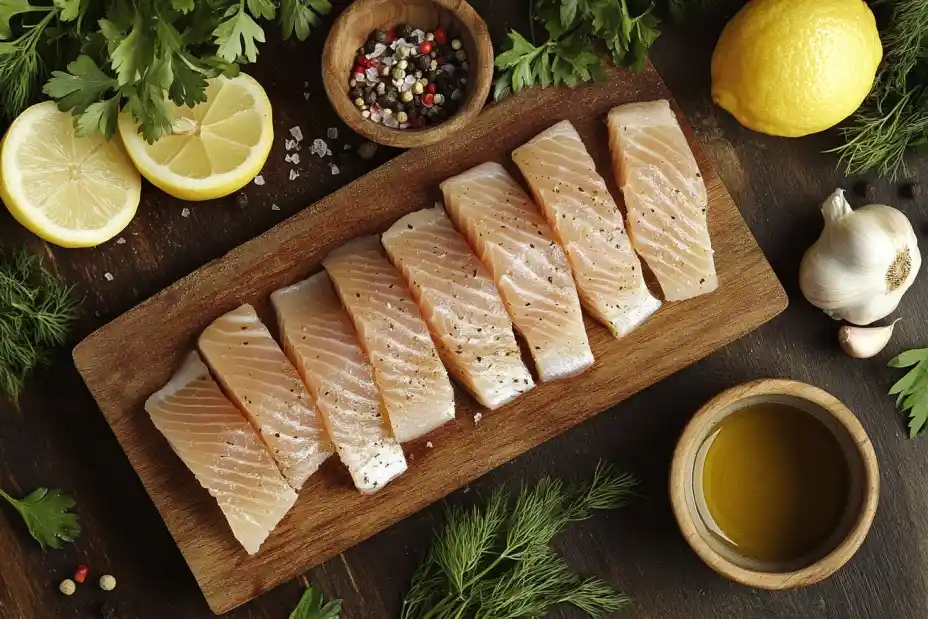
794, 67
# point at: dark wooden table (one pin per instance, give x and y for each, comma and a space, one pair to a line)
56, 435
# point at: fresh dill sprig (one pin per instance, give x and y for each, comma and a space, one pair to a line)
36, 312
497, 562
894, 118
22, 67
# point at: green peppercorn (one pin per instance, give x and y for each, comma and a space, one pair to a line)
380, 36
406, 97
402, 52
399, 74
418, 88
401, 117
461, 55
455, 44
359, 102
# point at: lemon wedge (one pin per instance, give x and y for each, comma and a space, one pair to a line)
216, 148
71, 191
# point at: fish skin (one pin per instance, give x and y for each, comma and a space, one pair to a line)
223, 451
414, 385
460, 304
587, 223
665, 196
320, 341
243, 356
515, 243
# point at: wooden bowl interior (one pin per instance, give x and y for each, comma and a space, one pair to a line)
354, 28
705, 536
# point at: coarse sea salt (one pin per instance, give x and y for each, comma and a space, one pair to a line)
379, 49
185, 212
259, 180
371, 73
274, 207
429, 444
477, 418
319, 147
332, 133
297, 133
294, 175
120, 241
419, 35
334, 168
328, 152
108, 276
306, 96
295, 158
289, 144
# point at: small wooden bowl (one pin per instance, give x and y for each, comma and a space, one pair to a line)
852, 529
351, 31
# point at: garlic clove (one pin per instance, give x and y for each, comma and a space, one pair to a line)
865, 342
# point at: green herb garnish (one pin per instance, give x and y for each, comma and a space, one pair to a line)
497, 561
569, 57
36, 312
912, 389
311, 607
108, 55
894, 118
46, 513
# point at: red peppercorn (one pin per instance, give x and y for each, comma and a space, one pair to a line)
431, 88
425, 47
440, 37
391, 35
428, 100
358, 69
80, 574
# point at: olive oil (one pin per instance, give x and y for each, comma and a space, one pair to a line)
775, 481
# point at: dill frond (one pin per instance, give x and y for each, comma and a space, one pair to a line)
22, 68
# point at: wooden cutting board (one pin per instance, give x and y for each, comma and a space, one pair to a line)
133, 356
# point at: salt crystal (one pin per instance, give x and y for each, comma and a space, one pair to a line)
305, 84
420, 36
306, 96
288, 158
319, 147
328, 152
294, 175
397, 42
259, 180
335, 170
332, 133
429, 445
477, 418
108, 276
404, 125
372, 73
346, 146
289, 144
274, 207
297, 133
457, 94
379, 49
295, 158
120, 241
391, 122
389, 61
185, 212
439, 99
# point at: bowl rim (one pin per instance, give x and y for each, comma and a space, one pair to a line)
698, 429
481, 79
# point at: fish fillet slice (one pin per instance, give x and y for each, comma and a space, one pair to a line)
460, 304
258, 377
665, 195
320, 341
413, 383
223, 451
586, 221
516, 245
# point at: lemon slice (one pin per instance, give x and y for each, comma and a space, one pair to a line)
68, 190
217, 147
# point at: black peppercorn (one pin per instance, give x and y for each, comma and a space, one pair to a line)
404, 31
864, 189
431, 76
423, 62
399, 107
910, 191
371, 97
355, 93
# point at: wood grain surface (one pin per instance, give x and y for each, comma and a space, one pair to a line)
57, 436
127, 360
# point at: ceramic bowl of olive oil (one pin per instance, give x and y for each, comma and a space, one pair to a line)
774, 484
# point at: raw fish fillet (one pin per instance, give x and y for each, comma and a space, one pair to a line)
414, 385
516, 245
253, 370
587, 223
223, 451
320, 341
665, 196
460, 304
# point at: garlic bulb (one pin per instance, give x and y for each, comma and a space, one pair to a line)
862, 263
865, 342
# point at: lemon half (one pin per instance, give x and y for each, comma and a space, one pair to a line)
794, 67
71, 191
217, 147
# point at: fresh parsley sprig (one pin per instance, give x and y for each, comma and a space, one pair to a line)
312, 606
47, 515
497, 561
912, 389
576, 28
103, 56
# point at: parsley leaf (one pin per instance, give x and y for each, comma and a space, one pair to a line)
11, 8
69, 9
46, 513
78, 88
311, 607
912, 389
238, 35
575, 29
296, 16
